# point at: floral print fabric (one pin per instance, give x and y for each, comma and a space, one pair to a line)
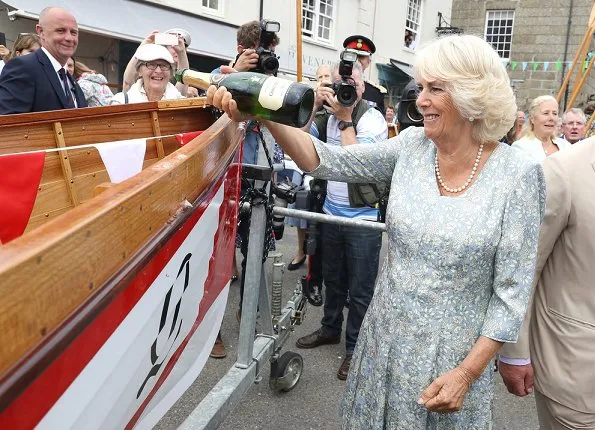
456, 268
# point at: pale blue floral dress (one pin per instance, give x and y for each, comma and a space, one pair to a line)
456, 268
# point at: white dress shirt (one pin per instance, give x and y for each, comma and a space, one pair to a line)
57, 66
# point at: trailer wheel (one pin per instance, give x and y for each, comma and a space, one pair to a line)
286, 371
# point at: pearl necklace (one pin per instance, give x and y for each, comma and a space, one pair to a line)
469, 179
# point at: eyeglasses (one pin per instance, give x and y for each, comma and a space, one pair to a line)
153, 66
574, 123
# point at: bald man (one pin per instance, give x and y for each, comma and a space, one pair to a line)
39, 81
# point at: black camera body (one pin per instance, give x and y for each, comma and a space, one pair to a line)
268, 62
408, 114
283, 194
346, 89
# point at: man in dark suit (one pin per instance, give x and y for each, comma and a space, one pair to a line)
39, 81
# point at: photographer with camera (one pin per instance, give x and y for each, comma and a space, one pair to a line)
256, 46
310, 240
349, 254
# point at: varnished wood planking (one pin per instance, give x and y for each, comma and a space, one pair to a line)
77, 172
66, 260
108, 128
66, 169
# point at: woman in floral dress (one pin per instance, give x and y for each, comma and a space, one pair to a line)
463, 221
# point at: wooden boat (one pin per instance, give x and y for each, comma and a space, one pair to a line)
111, 300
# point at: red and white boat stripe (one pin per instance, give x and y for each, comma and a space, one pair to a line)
139, 355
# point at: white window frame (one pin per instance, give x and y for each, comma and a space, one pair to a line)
498, 39
317, 17
218, 11
414, 10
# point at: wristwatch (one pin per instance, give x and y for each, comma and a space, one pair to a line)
344, 124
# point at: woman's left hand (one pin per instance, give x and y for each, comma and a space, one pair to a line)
180, 47
447, 392
222, 99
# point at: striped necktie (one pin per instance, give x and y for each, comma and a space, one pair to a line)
67, 92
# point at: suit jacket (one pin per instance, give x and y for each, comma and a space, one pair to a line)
30, 84
560, 336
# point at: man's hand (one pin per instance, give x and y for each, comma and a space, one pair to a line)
518, 379
322, 95
4, 51
248, 60
447, 393
341, 112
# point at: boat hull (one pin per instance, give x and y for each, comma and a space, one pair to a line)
120, 299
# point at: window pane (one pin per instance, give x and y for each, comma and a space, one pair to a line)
498, 30
317, 19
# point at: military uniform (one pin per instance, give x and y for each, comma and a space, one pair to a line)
374, 95
364, 47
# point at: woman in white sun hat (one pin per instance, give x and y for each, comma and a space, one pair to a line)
155, 67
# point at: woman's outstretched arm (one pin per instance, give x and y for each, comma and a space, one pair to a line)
296, 143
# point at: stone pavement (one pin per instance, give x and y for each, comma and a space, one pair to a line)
313, 403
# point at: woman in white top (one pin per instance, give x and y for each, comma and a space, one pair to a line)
539, 132
155, 67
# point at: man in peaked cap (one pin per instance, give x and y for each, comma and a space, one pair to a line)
364, 48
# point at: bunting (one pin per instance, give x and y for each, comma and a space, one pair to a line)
123, 158
184, 138
20, 175
543, 65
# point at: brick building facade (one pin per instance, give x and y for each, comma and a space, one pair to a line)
536, 39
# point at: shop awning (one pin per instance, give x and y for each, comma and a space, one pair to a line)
394, 73
405, 68
134, 20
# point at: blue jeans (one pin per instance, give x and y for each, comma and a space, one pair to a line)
349, 264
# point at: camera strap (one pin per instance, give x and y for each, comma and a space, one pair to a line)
253, 196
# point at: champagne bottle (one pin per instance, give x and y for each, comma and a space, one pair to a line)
264, 97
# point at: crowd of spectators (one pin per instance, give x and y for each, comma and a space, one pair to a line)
148, 76
443, 306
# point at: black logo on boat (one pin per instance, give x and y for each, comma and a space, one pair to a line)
176, 324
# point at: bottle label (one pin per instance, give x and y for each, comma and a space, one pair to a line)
273, 93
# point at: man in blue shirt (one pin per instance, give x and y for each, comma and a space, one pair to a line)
349, 254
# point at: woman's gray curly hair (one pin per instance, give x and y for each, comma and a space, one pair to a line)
475, 78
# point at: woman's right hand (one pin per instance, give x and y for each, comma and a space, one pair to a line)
447, 392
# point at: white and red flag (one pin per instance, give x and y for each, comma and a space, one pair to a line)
123, 158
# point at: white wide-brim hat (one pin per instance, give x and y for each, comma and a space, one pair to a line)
152, 52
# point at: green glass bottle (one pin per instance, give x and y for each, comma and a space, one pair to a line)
264, 97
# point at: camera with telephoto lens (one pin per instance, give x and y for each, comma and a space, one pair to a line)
283, 194
268, 62
408, 114
346, 89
